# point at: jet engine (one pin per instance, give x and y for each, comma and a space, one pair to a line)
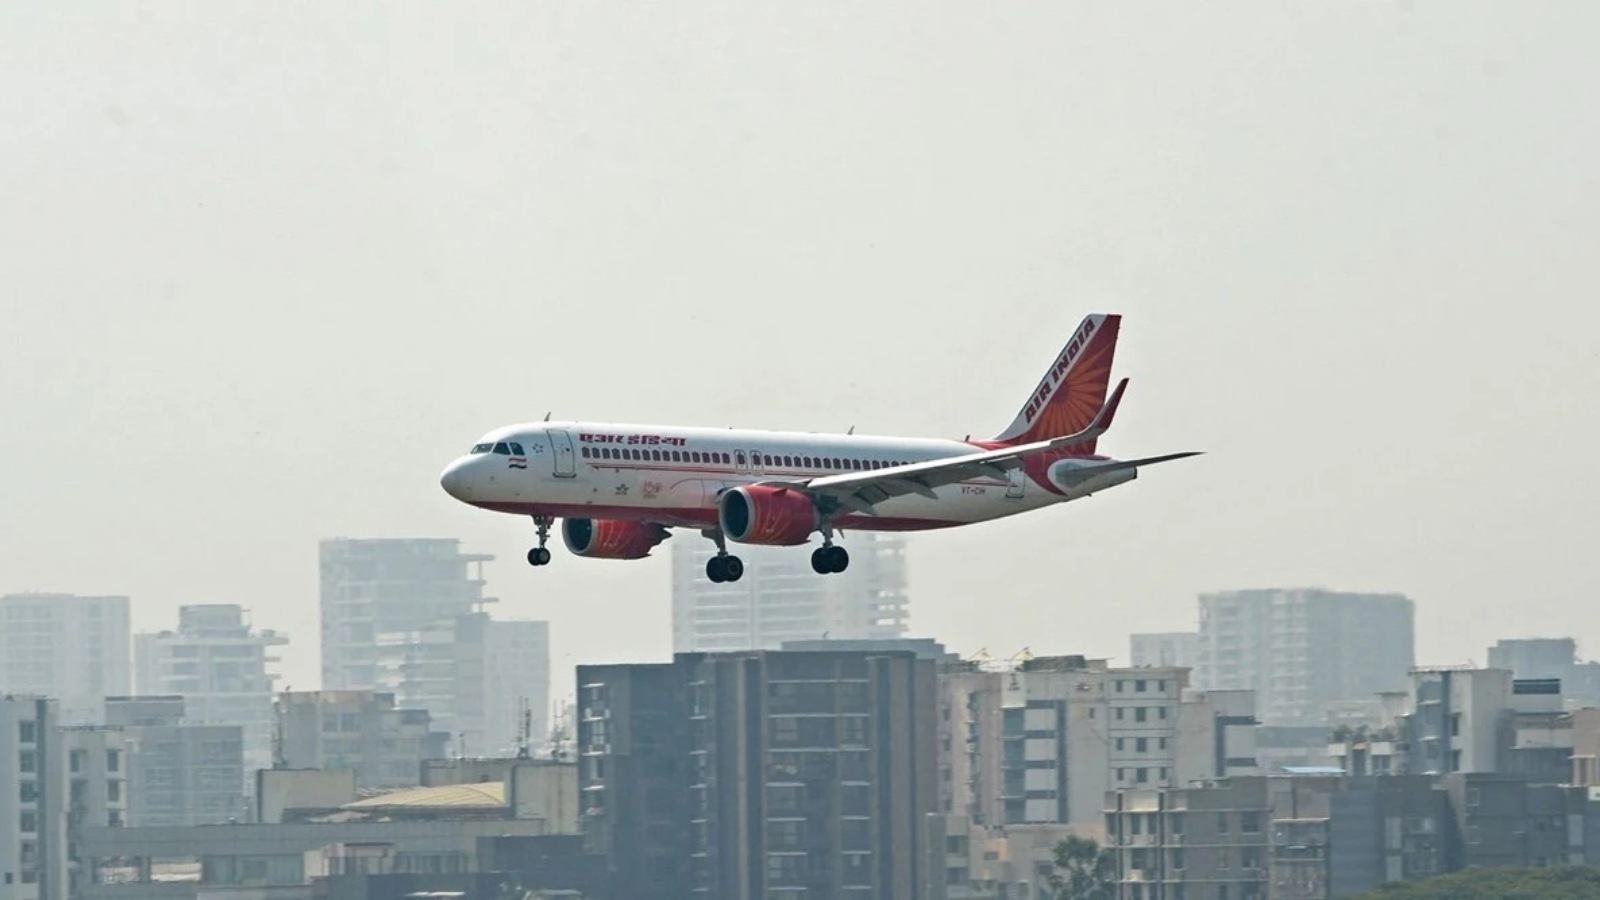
761, 514
611, 538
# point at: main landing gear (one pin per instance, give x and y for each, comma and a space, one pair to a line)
723, 567
829, 559
539, 556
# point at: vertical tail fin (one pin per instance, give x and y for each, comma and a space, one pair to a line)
1073, 389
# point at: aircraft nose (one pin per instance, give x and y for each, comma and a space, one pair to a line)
454, 479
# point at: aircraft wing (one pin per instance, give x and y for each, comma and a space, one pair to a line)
860, 491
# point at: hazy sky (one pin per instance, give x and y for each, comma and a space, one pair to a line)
266, 268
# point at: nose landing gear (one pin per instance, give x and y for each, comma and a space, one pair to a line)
539, 556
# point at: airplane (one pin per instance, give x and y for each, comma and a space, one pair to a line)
620, 488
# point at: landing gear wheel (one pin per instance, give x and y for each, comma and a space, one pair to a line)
721, 568
829, 559
539, 556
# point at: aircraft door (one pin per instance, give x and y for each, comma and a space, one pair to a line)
565, 465
757, 465
741, 463
1016, 481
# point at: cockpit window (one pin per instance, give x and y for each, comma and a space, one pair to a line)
482, 448
502, 449
516, 449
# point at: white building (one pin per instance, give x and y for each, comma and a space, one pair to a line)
1302, 649
1044, 742
70, 648
54, 782
474, 676
781, 599
1173, 648
381, 586
222, 667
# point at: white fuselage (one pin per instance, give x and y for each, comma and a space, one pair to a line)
673, 476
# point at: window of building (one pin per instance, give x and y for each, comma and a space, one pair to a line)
1250, 822
26, 761
26, 731
28, 822
29, 792
1119, 744
1162, 685
1473, 796
1138, 714
1119, 713
1143, 775
1139, 686
1161, 712
1141, 745
1222, 823
1161, 743
1121, 685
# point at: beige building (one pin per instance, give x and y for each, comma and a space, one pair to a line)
1043, 741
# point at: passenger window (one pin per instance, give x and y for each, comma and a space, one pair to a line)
655, 455
586, 453
694, 456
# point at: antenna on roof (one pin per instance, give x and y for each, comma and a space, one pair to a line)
852, 430
524, 729
547, 415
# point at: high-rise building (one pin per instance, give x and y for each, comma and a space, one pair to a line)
1173, 648
761, 775
222, 668
359, 730
33, 839
179, 774
54, 782
381, 586
1043, 743
474, 676
781, 599
1301, 650
70, 648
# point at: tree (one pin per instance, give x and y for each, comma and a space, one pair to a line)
1556, 883
1083, 871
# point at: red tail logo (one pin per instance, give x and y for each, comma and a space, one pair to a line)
1073, 389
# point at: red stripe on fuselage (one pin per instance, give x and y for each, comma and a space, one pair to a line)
698, 517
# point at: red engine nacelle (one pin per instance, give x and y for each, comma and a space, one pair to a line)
767, 515
611, 538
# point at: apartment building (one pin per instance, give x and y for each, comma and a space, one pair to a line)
72, 648
1301, 650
